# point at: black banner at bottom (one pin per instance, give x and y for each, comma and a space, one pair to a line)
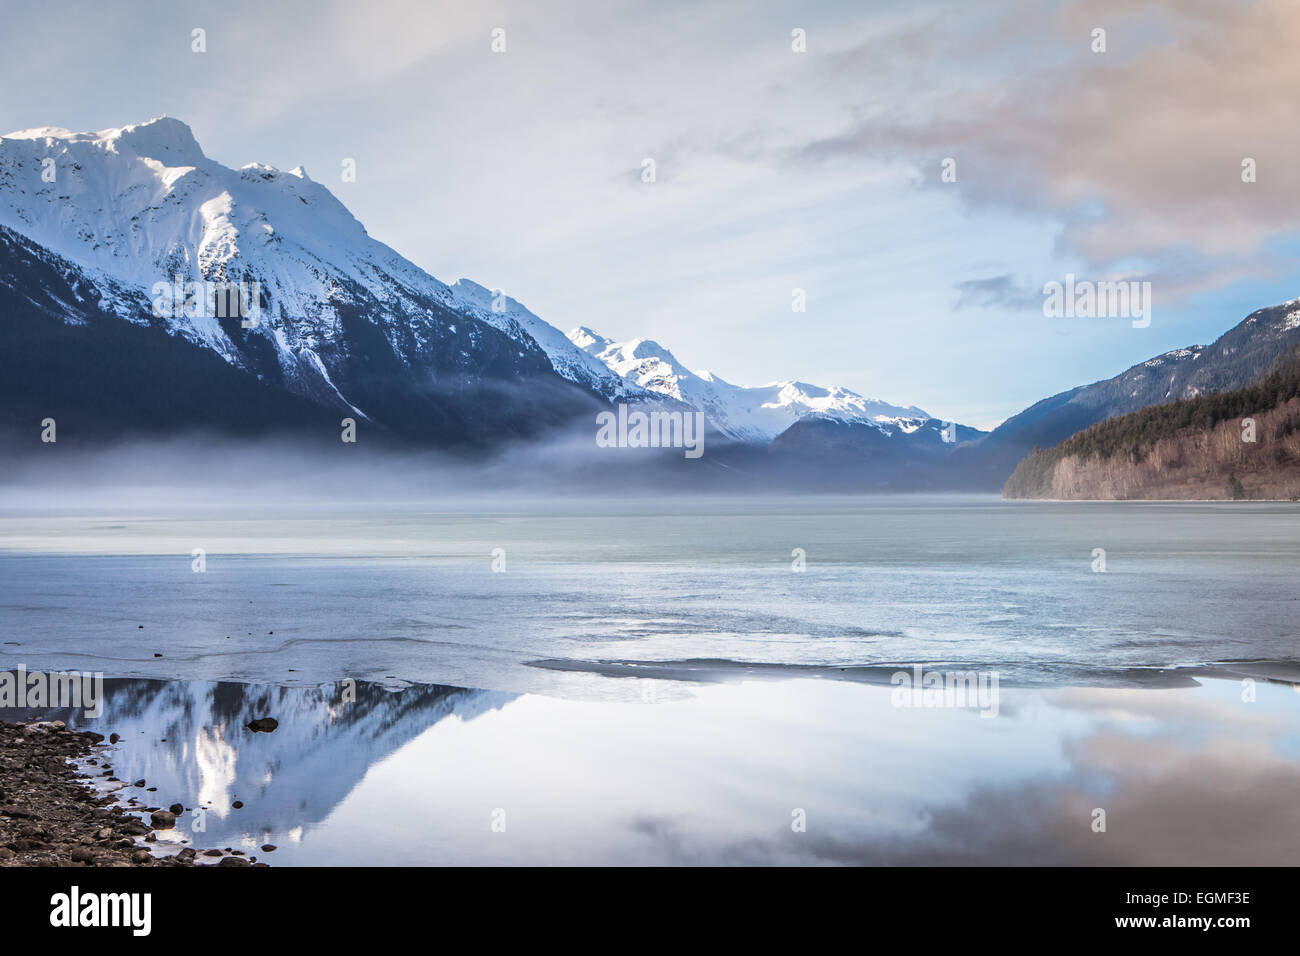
333, 905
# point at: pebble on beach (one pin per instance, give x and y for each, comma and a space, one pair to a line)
162, 819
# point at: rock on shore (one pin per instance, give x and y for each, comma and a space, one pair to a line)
49, 817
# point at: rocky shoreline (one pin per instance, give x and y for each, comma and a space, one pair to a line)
50, 816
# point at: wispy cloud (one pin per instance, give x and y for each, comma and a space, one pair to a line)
1137, 151
1001, 291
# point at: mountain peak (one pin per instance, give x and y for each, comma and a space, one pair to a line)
589, 341
649, 348
471, 291
163, 138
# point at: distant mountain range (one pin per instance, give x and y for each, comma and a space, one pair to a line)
748, 414
92, 223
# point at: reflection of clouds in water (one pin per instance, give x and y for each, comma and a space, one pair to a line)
712, 780
215, 762
1226, 802
1226, 708
1187, 776
1196, 792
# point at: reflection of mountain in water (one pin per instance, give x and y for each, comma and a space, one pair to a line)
190, 740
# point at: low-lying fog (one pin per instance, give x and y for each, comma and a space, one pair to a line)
216, 471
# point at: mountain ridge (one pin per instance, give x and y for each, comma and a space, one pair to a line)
91, 222
1238, 357
753, 414
345, 321
1241, 443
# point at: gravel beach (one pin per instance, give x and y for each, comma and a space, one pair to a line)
50, 815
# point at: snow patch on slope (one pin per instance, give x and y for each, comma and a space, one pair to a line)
510, 316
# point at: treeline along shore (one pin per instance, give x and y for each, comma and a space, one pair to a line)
1238, 444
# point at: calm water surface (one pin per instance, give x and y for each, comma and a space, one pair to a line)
420, 775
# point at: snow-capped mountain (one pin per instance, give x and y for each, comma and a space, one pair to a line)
92, 223
344, 321
142, 204
754, 414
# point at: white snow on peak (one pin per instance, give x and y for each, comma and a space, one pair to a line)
753, 414
141, 205
161, 139
587, 340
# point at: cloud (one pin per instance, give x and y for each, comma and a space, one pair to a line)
1137, 151
996, 292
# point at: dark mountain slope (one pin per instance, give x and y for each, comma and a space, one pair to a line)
1238, 357
1243, 443
102, 377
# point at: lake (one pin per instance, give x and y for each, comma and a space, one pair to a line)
687, 679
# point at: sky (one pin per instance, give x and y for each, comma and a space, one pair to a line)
775, 169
